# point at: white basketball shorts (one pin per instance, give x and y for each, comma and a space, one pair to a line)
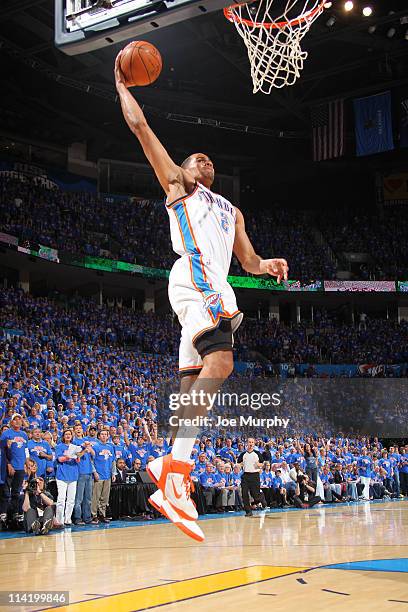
203, 301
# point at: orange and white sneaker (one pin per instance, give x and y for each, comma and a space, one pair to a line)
162, 505
173, 479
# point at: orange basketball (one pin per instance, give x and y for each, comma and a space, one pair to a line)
141, 63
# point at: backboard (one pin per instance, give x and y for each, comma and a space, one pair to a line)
86, 25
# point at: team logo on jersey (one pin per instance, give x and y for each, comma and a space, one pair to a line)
212, 303
212, 300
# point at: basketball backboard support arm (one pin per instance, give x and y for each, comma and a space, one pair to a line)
111, 21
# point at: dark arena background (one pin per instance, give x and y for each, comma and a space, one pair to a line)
89, 343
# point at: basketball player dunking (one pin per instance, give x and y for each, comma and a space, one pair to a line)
205, 230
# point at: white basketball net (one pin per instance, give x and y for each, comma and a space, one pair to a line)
273, 43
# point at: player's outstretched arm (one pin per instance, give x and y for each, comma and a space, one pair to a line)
171, 177
249, 260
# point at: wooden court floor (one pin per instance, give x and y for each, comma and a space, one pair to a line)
275, 561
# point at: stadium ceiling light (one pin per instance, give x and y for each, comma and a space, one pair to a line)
406, 35
348, 6
391, 32
372, 29
328, 5
331, 21
367, 11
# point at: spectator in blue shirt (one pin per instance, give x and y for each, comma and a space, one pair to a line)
225, 495
14, 443
119, 447
227, 452
395, 459
386, 464
351, 480
236, 477
378, 489
140, 450
279, 489
332, 492
201, 464
35, 419
47, 421
104, 474
310, 455
365, 464
209, 450
67, 456
83, 496
208, 480
40, 451
158, 447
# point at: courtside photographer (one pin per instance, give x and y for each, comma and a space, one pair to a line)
38, 507
305, 492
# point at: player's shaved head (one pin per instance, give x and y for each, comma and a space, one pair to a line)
190, 159
187, 161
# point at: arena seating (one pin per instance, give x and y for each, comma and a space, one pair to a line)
137, 232
84, 224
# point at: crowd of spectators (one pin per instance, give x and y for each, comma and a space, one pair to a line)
277, 232
326, 340
383, 238
302, 471
63, 366
87, 460
79, 320
85, 224
80, 409
138, 232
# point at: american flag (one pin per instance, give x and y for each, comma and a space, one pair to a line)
328, 130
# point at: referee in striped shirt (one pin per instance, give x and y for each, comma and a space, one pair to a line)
251, 461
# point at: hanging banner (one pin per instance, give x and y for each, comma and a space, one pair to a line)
396, 189
373, 124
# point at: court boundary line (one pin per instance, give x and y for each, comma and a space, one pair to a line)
187, 598
300, 571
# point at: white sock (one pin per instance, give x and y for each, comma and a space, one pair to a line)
184, 442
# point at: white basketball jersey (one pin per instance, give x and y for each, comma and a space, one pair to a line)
203, 223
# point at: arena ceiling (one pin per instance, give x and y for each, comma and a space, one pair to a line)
51, 96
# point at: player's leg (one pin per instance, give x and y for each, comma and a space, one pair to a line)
186, 382
190, 365
212, 357
217, 366
172, 472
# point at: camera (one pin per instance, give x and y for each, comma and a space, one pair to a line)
32, 485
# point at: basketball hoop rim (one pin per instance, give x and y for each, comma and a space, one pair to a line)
228, 13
